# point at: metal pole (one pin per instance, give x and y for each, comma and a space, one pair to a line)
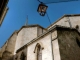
61, 1
51, 37
26, 21
58, 1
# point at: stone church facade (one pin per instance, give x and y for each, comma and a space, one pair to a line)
60, 41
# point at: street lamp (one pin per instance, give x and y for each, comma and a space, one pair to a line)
42, 9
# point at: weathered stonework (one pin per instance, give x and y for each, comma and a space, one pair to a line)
8, 49
60, 41
27, 34
69, 48
68, 20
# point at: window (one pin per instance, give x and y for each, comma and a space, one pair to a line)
39, 53
22, 56
38, 49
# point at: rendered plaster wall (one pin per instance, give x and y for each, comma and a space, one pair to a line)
25, 36
55, 46
62, 22
45, 42
40, 31
44, 30
56, 52
11, 43
10, 47
74, 20
68, 45
18, 55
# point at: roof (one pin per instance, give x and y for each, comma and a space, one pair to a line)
52, 29
71, 15
36, 25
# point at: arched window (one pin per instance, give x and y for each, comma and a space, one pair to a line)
22, 57
39, 53
38, 50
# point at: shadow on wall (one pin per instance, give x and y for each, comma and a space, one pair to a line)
7, 56
0, 58
78, 42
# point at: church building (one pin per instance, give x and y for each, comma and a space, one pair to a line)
59, 41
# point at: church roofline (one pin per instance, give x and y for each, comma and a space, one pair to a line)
52, 29
36, 25
71, 15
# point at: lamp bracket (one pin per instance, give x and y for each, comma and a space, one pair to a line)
40, 1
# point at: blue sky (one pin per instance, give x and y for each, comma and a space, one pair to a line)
19, 9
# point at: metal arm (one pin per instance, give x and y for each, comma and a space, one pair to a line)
40, 1
61, 1
58, 1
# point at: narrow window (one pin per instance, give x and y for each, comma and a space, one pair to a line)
22, 56
39, 53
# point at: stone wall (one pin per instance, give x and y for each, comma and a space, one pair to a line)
8, 50
3, 49
11, 43
75, 20
41, 30
56, 52
61, 22
45, 42
69, 44
18, 55
64, 21
25, 36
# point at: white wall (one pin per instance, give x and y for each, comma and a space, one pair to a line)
74, 20
25, 36
62, 22
56, 51
46, 52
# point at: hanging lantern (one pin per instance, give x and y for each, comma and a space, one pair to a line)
42, 9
